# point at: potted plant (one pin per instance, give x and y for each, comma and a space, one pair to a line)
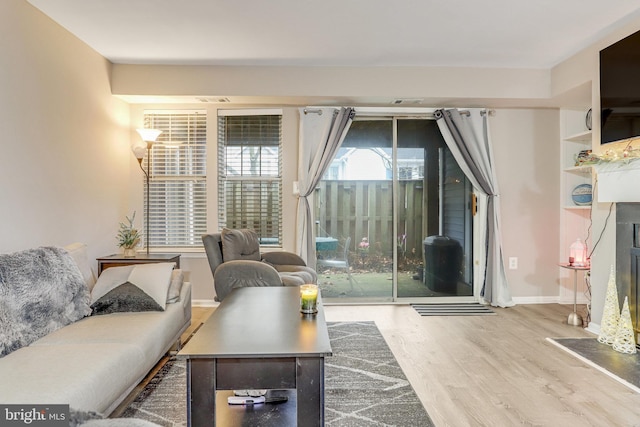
128, 236
363, 248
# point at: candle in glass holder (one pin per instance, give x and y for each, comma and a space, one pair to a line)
309, 298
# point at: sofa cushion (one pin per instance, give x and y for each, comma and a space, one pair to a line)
154, 279
78, 252
93, 419
120, 422
86, 376
152, 332
240, 244
177, 280
124, 298
42, 290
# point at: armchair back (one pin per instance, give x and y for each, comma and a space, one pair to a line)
213, 248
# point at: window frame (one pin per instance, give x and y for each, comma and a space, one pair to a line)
267, 182
177, 180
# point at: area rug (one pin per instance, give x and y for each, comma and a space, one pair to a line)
467, 309
364, 385
624, 368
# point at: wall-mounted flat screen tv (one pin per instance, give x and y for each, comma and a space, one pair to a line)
620, 90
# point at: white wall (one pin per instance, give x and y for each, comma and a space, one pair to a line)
64, 163
527, 152
467, 87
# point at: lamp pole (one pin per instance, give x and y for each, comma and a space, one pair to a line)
149, 136
146, 221
146, 176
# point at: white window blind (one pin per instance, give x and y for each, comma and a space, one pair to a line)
178, 188
250, 173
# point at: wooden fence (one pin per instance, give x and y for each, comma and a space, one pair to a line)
364, 209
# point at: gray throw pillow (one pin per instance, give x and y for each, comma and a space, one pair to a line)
124, 298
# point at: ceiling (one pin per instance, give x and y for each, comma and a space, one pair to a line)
461, 33
494, 33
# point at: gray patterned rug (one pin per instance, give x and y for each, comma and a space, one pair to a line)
364, 385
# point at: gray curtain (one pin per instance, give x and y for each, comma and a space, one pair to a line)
322, 131
467, 136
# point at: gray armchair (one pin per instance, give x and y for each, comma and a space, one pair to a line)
235, 260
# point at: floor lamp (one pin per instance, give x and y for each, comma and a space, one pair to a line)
139, 149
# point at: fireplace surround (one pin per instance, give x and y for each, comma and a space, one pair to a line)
628, 259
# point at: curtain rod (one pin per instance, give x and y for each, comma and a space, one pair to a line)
491, 113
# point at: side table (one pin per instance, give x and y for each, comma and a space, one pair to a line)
574, 318
119, 260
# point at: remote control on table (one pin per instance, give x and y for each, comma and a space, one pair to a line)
245, 400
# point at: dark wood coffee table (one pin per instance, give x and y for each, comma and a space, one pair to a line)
257, 339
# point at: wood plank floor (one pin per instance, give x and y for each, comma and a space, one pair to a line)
496, 370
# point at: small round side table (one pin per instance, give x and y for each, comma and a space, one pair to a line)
574, 318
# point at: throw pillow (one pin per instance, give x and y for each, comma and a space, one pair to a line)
154, 279
110, 278
177, 279
124, 298
240, 244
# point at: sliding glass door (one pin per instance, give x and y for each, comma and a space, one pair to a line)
393, 215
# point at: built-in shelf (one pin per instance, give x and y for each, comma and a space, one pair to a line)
575, 220
580, 137
584, 169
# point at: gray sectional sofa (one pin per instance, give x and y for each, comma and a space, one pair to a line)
55, 350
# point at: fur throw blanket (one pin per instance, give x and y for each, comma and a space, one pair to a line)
41, 290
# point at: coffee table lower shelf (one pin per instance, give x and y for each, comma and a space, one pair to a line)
263, 414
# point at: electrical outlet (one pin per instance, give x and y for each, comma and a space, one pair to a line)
513, 263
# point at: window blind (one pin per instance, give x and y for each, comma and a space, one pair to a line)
178, 188
250, 174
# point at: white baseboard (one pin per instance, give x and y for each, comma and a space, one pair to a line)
547, 300
535, 300
204, 303
517, 300
594, 328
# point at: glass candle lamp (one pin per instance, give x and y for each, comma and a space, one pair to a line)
578, 254
309, 298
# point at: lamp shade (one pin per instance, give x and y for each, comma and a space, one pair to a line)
149, 135
139, 149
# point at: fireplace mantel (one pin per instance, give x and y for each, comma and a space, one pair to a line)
618, 181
